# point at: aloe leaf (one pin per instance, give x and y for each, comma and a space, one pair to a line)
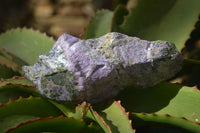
35, 106
85, 110
6, 72
93, 128
99, 25
171, 20
16, 80
116, 116
145, 119
80, 111
97, 118
7, 60
51, 124
190, 71
25, 44
191, 48
112, 119
14, 120
15, 91
164, 98
27, 108
66, 109
118, 17
15, 87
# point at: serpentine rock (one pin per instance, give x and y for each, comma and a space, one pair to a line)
93, 70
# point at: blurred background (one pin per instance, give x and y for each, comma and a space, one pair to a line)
51, 16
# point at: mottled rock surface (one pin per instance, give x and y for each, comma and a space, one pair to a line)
93, 70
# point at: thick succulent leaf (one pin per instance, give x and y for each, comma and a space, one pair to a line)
84, 110
118, 17
97, 118
14, 120
51, 124
158, 129
112, 119
7, 60
117, 118
35, 106
144, 119
80, 111
25, 44
66, 109
13, 91
171, 20
190, 73
15, 87
6, 72
27, 108
191, 49
164, 98
99, 25
93, 128
16, 80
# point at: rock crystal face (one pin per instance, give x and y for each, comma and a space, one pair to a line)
93, 70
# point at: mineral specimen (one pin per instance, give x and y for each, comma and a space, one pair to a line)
93, 70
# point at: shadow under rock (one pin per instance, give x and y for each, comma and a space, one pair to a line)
148, 100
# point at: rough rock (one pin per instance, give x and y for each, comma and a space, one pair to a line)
93, 70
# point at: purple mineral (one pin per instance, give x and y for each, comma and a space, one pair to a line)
93, 70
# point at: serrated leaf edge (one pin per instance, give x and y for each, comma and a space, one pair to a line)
13, 78
30, 29
102, 120
118, 103
120, 5
90, 20
39, 119
16, 67
18, 100
163, 115
19, 84
190, 38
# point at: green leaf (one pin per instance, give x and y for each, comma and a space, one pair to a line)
16, 80
118, 17
99, 25
25, 44
51, 124
97, 118
164, 98
15, 91
27, 108
35, 106
80, 111
93, 128
7, 60
171, 20
66, 109
144, 119
117, 118
16, 87
14, 120
6, 72
112, 119
84, 110
190, 73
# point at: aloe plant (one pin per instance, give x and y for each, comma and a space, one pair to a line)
161, 108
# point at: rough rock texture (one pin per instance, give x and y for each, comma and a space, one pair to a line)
93, 70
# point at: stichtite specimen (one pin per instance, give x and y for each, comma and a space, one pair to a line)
93, 70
